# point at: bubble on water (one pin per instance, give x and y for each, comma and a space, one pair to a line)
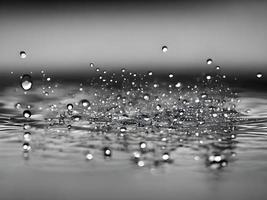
170, 75
146, 97
142, 145
26, 146
259, 75
209, 61
27, 113
26, 82
208, 77
27, 136
164, 49
69, 106
123, 129
107, 152
85, 103
22, 54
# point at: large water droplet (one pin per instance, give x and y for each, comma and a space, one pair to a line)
26, 82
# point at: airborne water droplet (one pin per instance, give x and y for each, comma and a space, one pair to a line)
69, 106
26, 82
27, 114
22, 54
209, 61
107, 152
164, 49
170, 75
85, 103
259, 75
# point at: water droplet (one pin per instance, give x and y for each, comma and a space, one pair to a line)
26, 146
26, 126
209, 61
142, 145
92, 65
141, 163
123, 129
18, 106
107, 152
259, 75
89, 156
85, 103
164, 49
27, 136
146, 97
26, 82
22, 54
69, 106
150, 73
217, 67
208, 77
48, 79
170, 75
165, 156
158, 107
178, 84
27, 114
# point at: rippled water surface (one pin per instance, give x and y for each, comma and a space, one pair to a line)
146, 141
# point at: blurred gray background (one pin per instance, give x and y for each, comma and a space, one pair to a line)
65, 36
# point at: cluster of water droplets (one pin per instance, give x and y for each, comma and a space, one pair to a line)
136, 114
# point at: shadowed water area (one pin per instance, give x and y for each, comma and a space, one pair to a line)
126, 135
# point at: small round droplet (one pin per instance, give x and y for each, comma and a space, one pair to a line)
177, 85
107, 152
22, 54
69, 106
150, 73
123, 129
27, 136
259, 75
209, 61
89, 156
141, 163
165, 157
217, 67
142, 145
170, 75
27, 113
18, 106
208, 77
146, 97
92, 65
85, 103
26, 146
26, 82
164, 49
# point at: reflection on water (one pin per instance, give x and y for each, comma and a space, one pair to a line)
135, 130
